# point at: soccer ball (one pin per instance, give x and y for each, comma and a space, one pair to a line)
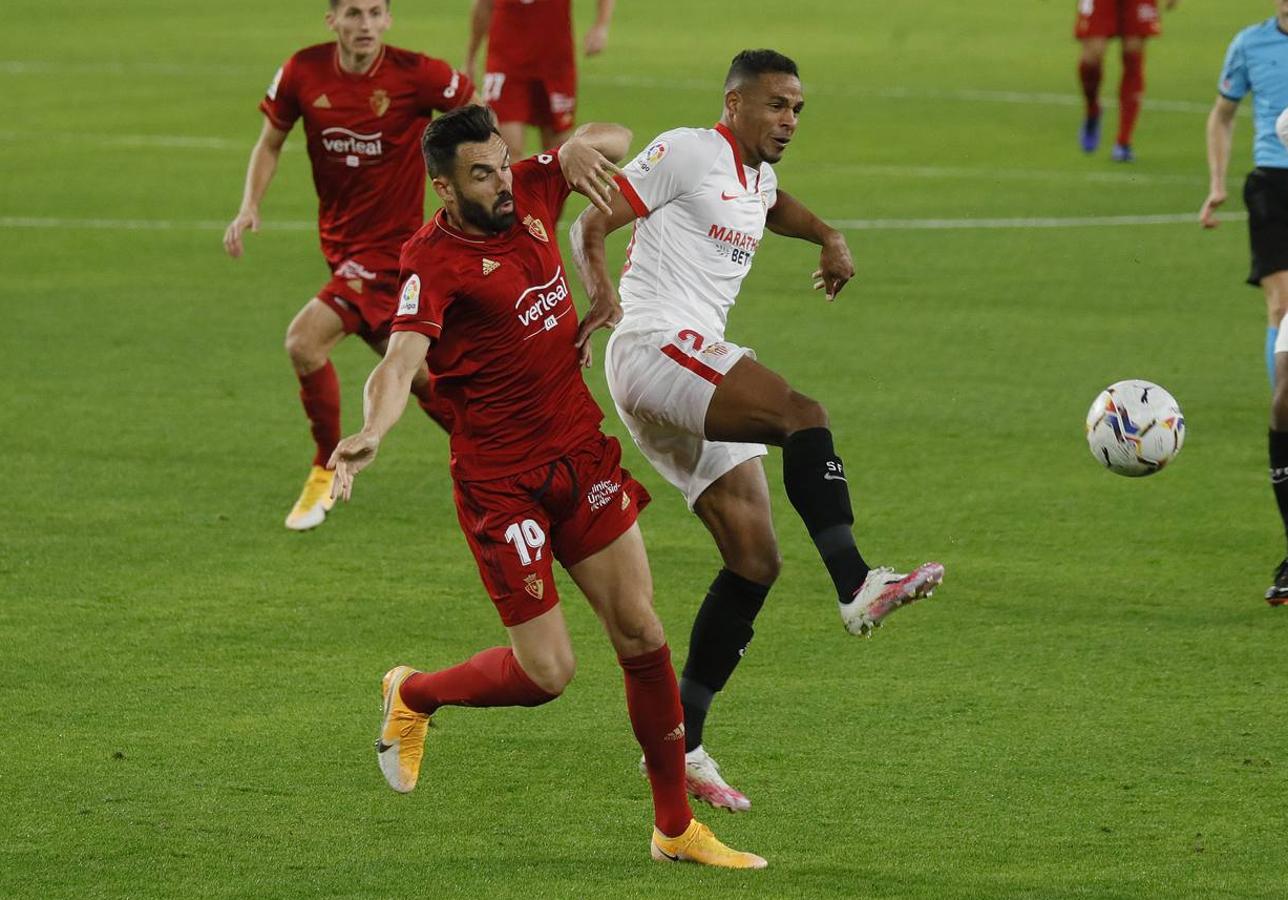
1135, 428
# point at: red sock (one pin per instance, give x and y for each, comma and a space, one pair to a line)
320, 394
653, 699
1089, 74
432, 407
492, 677
1130, 90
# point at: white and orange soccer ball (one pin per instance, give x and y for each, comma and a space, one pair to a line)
1135, 428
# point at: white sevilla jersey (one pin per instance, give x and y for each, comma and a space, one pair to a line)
701, 217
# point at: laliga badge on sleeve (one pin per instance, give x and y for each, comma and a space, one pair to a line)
409, 301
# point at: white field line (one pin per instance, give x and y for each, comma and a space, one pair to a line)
1190, 218
876, 170
65, 224
20, 67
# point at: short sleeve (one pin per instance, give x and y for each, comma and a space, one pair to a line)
542, 175
439, 87
1234, 74
769, 188
281, 103
422, 301
675, 163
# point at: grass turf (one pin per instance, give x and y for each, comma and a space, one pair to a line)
1091, 707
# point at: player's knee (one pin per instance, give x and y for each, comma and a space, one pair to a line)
759, 564
804, 412
638, 632
552, 672
304, 353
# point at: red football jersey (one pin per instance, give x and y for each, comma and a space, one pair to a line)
503, 324
363, 134
530, 38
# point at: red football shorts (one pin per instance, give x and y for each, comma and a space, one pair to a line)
363, 291
548, 101
565, 510
1117, 18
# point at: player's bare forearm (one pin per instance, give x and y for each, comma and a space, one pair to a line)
611, 140
385, 396
604, 13
589, 257
259, 174
1220, 138
791, 218
480, 19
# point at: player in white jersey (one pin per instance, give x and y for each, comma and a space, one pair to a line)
700, 407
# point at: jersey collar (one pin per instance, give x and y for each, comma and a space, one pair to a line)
339, 70
725, 133
440, 221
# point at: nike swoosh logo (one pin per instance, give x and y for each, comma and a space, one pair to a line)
382, 747
673, 858
828, 476
724, 196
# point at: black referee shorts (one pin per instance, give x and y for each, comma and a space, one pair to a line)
1265, 194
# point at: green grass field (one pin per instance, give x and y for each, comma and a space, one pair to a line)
1094, 705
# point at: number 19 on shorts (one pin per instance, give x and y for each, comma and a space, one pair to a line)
528, 540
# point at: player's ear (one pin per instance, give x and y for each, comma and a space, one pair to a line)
733, 99
443, 188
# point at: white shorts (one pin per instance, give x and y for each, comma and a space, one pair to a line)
662, 383
1281, 342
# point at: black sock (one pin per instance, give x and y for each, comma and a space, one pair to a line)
1279, 472
721, 632
816, 485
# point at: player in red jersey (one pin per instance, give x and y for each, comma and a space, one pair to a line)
531, 73
485, 295
364, 106
1099, 20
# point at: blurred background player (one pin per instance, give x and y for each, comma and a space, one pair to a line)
1132, 21
1257, 63
701, 408
531, 72
536, 480
364, 106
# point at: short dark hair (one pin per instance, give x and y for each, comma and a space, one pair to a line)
464, 125
335, 3
751, 63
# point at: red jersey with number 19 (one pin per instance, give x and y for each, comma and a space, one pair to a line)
363, 133
503, 323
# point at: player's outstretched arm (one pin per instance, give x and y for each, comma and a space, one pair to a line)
1220, 138
597, 36
587, 160
589, 256
260, 171
791, 218
384, 399
480, 20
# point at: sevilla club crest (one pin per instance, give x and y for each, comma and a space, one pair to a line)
536, 229
379, 101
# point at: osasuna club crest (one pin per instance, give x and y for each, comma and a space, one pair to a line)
379, 101
536, 229
534, 586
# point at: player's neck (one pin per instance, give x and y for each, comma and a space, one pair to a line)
357, 63
748, 155
1283, 23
